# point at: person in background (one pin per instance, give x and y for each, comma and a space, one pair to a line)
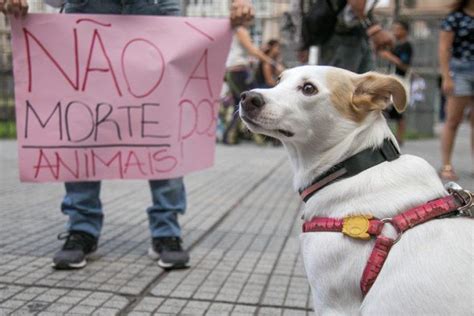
82, 202
266, 74
456, 59
239, 74
350, 45
400, 59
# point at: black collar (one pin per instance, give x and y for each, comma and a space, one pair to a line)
352, 166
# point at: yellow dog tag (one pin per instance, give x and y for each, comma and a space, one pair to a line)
356, 226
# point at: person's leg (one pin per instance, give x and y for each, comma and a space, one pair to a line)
462, 75
454, 114
169, 200
82, 205
169, 196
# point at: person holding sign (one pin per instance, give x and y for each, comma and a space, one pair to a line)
82, 202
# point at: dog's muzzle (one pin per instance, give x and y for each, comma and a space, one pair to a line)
251, 102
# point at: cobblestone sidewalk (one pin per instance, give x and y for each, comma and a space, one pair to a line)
242, 226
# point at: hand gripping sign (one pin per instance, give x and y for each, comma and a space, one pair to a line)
106, 97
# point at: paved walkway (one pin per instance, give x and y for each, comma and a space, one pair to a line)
242, 228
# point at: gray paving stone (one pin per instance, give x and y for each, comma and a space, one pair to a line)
5, 311
59, 307
70, 300
47, 298
243, 310
12, 304
106, 312
204, 295
130, 290
47, 314
23, 312
149, 304
116, 302
195, 308
220, 309
139, 314
294, 312
268, 311
81, 309
92, 301
172, 306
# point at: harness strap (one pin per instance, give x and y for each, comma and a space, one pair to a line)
375, 263
321, 224
362, 227
419, 215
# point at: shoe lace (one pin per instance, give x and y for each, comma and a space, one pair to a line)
73, 241
170, 243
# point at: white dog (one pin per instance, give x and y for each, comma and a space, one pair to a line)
324, 115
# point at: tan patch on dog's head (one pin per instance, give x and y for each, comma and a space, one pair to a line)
342, 89
355, 96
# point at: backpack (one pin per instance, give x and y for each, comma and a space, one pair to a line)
319, 23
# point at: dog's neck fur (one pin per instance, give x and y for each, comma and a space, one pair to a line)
310, 162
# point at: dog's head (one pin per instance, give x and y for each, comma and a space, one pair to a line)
319, 102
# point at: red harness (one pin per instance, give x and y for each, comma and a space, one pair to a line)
363, 227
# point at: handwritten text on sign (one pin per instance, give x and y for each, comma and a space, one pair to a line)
103, 96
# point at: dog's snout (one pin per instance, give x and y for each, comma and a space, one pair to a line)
251, 100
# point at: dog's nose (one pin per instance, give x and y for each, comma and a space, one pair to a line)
251, 100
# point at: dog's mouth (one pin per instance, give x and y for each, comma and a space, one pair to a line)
252, 123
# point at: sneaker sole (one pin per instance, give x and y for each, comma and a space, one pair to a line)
72, 266
173, 266
167, 266
69, 266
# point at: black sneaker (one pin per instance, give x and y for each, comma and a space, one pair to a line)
75, 250
170, 253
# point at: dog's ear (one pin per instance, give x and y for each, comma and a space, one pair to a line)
374, 91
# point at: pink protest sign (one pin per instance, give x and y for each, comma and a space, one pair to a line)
107, 97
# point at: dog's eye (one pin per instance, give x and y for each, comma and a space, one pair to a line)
309, 89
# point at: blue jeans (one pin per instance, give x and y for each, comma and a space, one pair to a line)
462, 72
82, 202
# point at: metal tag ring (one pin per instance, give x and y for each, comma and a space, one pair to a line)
468, 200
390, 221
